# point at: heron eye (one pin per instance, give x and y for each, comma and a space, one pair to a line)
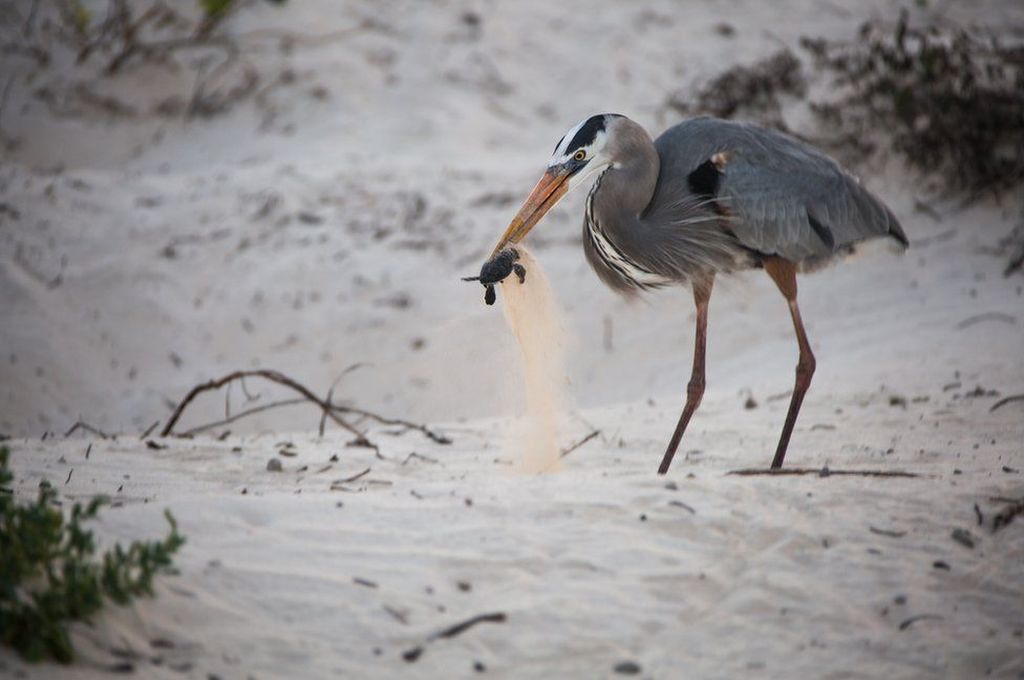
580, 155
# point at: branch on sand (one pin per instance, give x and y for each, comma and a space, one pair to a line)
907, 623
335, 412
820, 472
1006, 400
414, 653
398, 422
570, 449
1006, 515
338, 484
82, 425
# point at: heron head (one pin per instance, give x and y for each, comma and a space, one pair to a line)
582, 152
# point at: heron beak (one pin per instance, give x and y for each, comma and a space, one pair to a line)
551, 187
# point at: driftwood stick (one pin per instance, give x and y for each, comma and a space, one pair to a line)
1006, 400
339, 484
907, 623
1006, 515
820, 472
149, 430
245, 391
227, 401
328, 409
330, 391
346, 480
414, 653
272, 376
323, 416
987, 316
458, 628
243, 414
567, 451
383, 420
82, 425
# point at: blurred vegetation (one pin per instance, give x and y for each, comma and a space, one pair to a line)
950, 101
68, 52
50, 575
748, 92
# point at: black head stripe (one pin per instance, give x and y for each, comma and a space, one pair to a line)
586, 134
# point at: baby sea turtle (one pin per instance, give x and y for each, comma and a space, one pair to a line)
496, 270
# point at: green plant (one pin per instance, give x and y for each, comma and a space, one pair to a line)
49, 573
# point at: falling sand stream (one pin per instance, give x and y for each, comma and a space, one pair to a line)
532, 315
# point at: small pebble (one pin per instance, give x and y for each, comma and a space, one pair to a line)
274, 465
627, 668
963, 537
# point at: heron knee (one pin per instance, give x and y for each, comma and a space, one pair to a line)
805, 368
695, 391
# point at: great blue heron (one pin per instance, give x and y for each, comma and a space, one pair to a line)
707, 196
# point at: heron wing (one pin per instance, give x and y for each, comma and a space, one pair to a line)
782, 197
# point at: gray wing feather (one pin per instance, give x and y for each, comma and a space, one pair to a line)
782, 196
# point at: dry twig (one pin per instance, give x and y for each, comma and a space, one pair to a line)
347, 480
414, 653
335, 412
405, 424
1006, 515
82, 425
920, 617
272, 376
1006, 400
820, 472
987, 316
242, 414
149, 429
567, 451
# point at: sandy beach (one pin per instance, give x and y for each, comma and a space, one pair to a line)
325, 223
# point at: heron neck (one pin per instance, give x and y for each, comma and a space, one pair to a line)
627, 186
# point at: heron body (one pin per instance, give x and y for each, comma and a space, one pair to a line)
708, 196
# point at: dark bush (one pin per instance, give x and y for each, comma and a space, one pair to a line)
949, 101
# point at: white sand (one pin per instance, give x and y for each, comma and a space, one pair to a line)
308, 234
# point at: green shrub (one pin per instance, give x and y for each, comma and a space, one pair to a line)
50, 575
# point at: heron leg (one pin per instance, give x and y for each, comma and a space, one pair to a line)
695, 388
783, 273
